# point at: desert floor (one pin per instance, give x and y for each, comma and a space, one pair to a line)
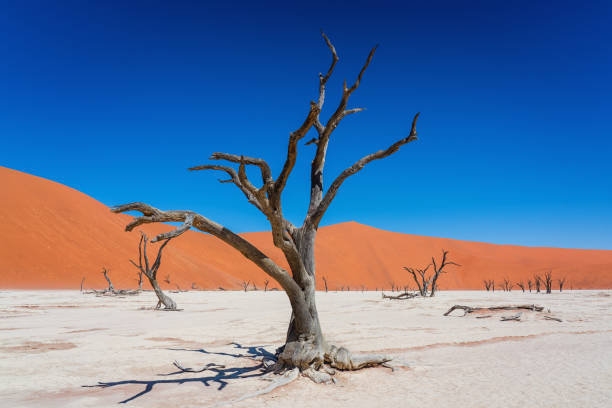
57, 349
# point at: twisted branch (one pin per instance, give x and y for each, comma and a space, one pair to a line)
317, 214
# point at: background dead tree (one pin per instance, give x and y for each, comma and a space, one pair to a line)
245, 285
548, 281
392, 287
167, 278
488, 284
254, 286
325, 282
194, 286
421, 279
530, 284
266, 282
150, 271
537, 279
561, 282
521, 285
82, 281
493, 285
507, 285
438, 270
305, 346
110, 284
362, 288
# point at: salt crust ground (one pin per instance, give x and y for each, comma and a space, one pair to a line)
54, 344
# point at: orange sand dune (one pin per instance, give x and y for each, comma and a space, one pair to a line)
53, 236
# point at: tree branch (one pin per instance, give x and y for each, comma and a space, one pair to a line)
249, 191
266, 173
317, 214
294, 138
318, 163
153, 215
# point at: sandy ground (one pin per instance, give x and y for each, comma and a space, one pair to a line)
58, 347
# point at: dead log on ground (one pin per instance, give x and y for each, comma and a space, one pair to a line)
470, 309
401, 296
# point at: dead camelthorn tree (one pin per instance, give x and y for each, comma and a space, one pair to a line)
561, 283
548, 281
110, 284
422, 280
305, 346
167, 278
150, 271
521, 285
507, 285
245, 285
537, 279
488, 284
82, 281
429, 283
266, 282
325, 282
530, 284
438, 270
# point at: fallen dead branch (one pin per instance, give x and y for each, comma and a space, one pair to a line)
516, 317
401, 296
470, 309
556, 319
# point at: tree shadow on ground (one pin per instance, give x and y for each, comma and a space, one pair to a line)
222, 375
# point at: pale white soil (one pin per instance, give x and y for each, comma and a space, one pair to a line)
57, 347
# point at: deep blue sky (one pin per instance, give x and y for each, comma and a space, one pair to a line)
117, 100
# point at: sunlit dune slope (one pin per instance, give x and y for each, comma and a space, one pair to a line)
52, 236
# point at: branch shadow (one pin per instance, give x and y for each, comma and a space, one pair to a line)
222, 375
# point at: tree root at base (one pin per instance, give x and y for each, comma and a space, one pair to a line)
319, 365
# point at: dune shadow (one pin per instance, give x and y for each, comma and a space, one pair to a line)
219, 374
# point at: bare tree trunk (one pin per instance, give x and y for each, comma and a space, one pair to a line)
150, 271
110, 284
325, 281
82, 281
164, 299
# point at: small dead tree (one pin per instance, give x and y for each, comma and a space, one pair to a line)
194, 286
537, 279
530, 284
493, 285
266, 282
421, 279
561, 283
521, 285
150, 271
110, 284
82, 281
488, 283
438, 270
548, 281
245, 285
507, 285
167, 279
325, 282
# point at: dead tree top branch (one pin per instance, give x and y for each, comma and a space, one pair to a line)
305, 345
